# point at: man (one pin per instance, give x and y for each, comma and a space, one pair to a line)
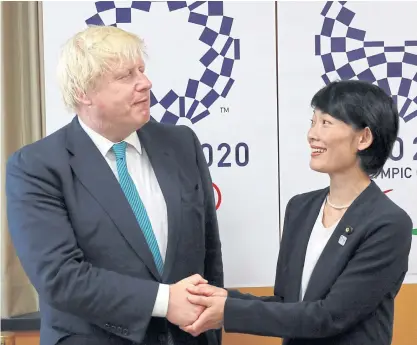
113, 215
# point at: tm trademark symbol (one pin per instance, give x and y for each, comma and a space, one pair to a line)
224, 110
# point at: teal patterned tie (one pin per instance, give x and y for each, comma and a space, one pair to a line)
136, 203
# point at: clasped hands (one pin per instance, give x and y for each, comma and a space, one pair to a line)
195, 306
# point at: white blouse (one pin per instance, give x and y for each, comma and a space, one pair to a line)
318, 240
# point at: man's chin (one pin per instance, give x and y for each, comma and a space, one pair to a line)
142, 112
147, 116
142, 117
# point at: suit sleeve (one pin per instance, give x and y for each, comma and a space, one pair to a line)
278, 293
213, 265
377, 269
41, 231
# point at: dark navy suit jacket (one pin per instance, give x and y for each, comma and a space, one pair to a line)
81, 246
350, 296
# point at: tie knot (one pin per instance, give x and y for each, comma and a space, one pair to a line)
119, 149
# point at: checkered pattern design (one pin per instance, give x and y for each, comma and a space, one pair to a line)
217, 64
346, 54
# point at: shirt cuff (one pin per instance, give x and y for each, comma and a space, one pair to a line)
160, 309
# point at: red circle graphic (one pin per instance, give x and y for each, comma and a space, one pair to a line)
219, 195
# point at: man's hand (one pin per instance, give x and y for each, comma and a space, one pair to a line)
210, 318
207, 290
181, 311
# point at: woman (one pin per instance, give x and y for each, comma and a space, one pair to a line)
344, 251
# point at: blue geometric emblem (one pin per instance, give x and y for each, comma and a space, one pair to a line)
215, 80
346, 54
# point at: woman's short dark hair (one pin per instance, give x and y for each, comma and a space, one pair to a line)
360, 105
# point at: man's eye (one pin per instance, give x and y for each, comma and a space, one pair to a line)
125, 75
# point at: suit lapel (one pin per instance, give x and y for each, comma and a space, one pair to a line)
166, 170
95, 174
318, 284
296, 263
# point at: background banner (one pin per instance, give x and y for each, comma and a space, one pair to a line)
213, 68
319, 42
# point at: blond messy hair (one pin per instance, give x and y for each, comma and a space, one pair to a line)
90, 54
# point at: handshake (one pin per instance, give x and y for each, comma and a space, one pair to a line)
195, 306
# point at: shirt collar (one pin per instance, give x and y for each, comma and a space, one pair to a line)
104, 145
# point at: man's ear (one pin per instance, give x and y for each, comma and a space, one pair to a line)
84, 99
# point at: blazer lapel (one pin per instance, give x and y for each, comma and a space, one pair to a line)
298, 253
95, 174
318, 284
165, 167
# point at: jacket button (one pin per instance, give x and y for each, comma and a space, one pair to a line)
125, 331
119, 329
106, 325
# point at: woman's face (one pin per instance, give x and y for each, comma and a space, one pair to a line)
334, 144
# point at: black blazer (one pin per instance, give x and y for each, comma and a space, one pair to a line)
82, 248
350, 296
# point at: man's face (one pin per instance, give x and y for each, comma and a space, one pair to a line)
121, 97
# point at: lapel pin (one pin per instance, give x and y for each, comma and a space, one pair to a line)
348, 230
342, 240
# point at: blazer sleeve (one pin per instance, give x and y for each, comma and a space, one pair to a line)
42, 234
278, 289
377, 269
213, 264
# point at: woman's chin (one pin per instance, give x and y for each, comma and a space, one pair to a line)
318, 167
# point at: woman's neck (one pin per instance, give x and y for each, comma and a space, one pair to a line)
345, 187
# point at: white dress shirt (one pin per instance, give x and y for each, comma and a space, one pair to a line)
319, 237
143, 176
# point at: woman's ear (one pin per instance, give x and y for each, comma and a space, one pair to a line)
365, 139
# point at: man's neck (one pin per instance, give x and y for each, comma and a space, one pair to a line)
108, 131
